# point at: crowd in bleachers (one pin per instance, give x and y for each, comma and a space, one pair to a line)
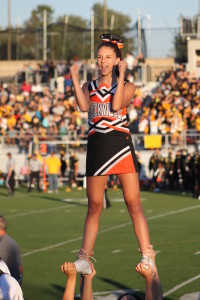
43, 111
173, 107
47, 111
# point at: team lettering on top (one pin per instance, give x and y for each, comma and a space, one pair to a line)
103, 109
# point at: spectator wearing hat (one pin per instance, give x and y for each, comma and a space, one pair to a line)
53, 164
10, 177
35, 168
10, 252
9, 287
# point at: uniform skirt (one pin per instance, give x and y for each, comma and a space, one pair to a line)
110, 154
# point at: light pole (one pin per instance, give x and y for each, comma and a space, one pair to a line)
9, 34
92, 34
105, 16
144, 50
18, 39
139, 32
198, 23
44, 35
64, 37
149, 35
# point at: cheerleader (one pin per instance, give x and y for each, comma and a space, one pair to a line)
110, 149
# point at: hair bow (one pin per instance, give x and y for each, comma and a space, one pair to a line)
107, 37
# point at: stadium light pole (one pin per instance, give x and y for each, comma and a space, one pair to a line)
92, 34
139, 32
198, 23
9, 35
18, 38
149, 34
44, 35
105, 16
64, 37
112, 22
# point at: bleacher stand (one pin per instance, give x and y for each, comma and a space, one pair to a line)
40, 109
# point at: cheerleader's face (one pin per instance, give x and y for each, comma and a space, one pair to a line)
106, 60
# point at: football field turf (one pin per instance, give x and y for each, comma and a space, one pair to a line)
49, 230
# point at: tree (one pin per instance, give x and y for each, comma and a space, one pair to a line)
65, 41
120, 27
31, 40
72, 39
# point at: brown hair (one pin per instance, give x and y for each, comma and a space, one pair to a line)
117, 51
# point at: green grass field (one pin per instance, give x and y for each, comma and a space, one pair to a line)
49, 230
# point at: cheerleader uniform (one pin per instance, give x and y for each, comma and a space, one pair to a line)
110, 149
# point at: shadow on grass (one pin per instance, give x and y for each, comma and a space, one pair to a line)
119, 286
58, 198
52, 198
58, 288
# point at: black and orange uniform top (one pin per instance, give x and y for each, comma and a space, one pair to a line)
110, 149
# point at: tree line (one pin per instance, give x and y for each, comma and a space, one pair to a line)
67, 37
70, 36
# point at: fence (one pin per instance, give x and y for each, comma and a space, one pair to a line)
34, 142
189, 141
28, 44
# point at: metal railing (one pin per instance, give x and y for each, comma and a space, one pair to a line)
142, 72
27, 143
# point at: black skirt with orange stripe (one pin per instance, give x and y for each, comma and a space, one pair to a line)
110, 154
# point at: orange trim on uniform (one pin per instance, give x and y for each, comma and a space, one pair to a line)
126, 165
114, 127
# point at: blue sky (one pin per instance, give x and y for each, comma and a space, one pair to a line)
163, 13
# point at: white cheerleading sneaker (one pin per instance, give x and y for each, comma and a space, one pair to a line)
82, 264
147, 261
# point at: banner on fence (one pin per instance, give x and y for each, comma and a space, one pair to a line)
152, 141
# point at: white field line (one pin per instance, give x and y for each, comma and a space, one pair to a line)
74, 201
116, 293
75, 251
34, 212
116, 251
107, 230
197, 253
122, 199
70, 241
181, 285
51, 247
173, 212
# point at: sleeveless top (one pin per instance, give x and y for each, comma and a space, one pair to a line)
101, 117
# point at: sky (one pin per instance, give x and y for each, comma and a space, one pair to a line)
163, 13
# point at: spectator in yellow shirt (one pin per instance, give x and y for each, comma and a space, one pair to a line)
53, 164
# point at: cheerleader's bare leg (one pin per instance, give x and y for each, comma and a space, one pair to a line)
95, 192
131, 192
